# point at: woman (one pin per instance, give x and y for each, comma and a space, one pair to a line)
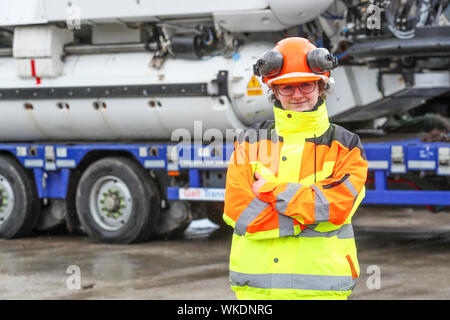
293, 185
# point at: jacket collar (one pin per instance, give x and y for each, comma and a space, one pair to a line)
308, 123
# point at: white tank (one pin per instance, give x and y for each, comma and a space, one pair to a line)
232, 15
109, 97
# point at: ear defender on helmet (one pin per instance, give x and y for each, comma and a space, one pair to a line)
320, 60
294, 59
269, 65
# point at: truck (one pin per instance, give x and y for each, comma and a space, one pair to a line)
117, 119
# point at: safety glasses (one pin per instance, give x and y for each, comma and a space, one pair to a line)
304, 87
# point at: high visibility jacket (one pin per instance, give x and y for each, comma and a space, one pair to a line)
295, 240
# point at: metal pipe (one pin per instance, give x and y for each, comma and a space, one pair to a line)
5, 52
110, 48
98, 48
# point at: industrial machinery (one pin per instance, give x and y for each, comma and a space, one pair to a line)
117, 119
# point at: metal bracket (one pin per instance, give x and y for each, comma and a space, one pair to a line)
222, 83
158, 59
408, 77
397, 159
444, 161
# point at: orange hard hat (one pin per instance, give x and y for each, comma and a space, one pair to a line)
291, 61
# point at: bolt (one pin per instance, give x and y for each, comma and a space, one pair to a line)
113, 191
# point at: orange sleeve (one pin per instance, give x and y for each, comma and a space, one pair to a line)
249, 215
329, 200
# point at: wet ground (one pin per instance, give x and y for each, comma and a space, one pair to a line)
403, 253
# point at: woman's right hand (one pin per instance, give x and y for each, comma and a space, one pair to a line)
259, 182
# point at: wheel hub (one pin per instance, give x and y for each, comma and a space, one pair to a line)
113, 203
110, 203
3, 200
6, 199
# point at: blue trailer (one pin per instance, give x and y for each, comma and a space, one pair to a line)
385, 159
127, 192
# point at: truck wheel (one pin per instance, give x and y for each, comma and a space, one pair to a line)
19, 203
214, 211
117, 201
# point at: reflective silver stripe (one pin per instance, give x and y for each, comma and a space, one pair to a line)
292, 281
352, 189
297, 74
312, 226
322, 206
286, 196
286, 225
344, 232
248, 215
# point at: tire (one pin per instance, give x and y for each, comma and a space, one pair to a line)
214, 211
130, 208
19, 203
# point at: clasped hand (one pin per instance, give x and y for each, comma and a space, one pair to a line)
259, 182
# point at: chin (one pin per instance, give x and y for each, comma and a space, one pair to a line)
300, 108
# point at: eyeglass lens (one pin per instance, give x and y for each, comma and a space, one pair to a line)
288, 89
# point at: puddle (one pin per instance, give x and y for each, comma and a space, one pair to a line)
201, 228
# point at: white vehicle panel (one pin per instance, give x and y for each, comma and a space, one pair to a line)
145, 117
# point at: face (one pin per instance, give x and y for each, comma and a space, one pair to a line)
299, 96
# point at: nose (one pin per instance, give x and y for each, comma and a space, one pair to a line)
297, 94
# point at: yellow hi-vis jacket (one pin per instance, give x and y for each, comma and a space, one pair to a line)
295, 239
